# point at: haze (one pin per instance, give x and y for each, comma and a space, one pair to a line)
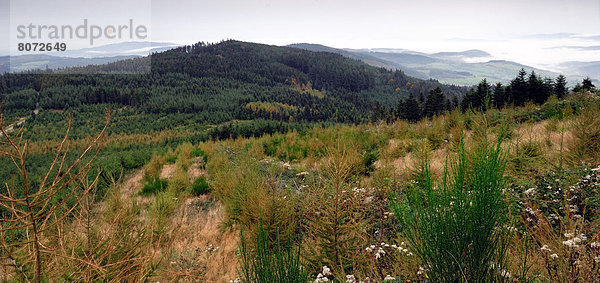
541, 33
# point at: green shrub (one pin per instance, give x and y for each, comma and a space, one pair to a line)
456, 227
171, 159
154, 187
271, 263
200, 186
197, 152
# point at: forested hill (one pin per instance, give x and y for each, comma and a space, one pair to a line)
230, 80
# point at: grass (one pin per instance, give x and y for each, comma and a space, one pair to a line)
278, 263
456, 226
475, 209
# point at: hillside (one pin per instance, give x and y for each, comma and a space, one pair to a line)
465, 68
212, 84
165, 209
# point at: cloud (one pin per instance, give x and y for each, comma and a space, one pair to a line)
578, 48
589, 37
550, 36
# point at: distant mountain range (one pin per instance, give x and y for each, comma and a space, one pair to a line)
460, 68
464, 68
82, 57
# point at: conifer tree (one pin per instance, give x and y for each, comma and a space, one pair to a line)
560, 86
435, 102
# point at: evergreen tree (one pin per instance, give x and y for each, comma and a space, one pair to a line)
587, 84
499, 98
534, 88
435, 102
483, 94
560, 86
411, 110
519, 87
454, 102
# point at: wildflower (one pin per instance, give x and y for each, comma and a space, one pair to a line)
370, 248
595, 245
569, 235
530, 192
545, 248
326, 270
554, 256
421, 270
350, 278
389, 278
380, 252
570, 243
505, 273
597, 259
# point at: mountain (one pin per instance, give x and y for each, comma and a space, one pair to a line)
464, 68
129, 48
591, 69
474, 53
456, 67
41, 62
373, 61
82, 57
231, 80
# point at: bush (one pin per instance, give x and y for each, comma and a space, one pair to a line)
171, 159
196, 152
154, 187
456, 228
200, 186
270, 263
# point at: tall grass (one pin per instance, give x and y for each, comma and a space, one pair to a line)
271, 263
456, 226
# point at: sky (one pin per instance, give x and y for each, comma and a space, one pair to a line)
541, 33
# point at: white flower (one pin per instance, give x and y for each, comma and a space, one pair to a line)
389, 278
597, 259
350, 278
595, 245
530, 192
505, 273
570, 243
545, 248
569, 235
554, 256
326, 270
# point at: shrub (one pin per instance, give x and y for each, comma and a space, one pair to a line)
171, 159
586, 134
154, 187
196, 152
456, 227
270, 263
200, 186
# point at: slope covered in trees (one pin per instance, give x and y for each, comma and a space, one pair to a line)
223, 82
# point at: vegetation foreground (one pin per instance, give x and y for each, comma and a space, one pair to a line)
499, 195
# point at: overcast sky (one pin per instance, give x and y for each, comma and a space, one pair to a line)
535, 32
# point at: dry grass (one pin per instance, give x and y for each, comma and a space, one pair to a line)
202, 249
